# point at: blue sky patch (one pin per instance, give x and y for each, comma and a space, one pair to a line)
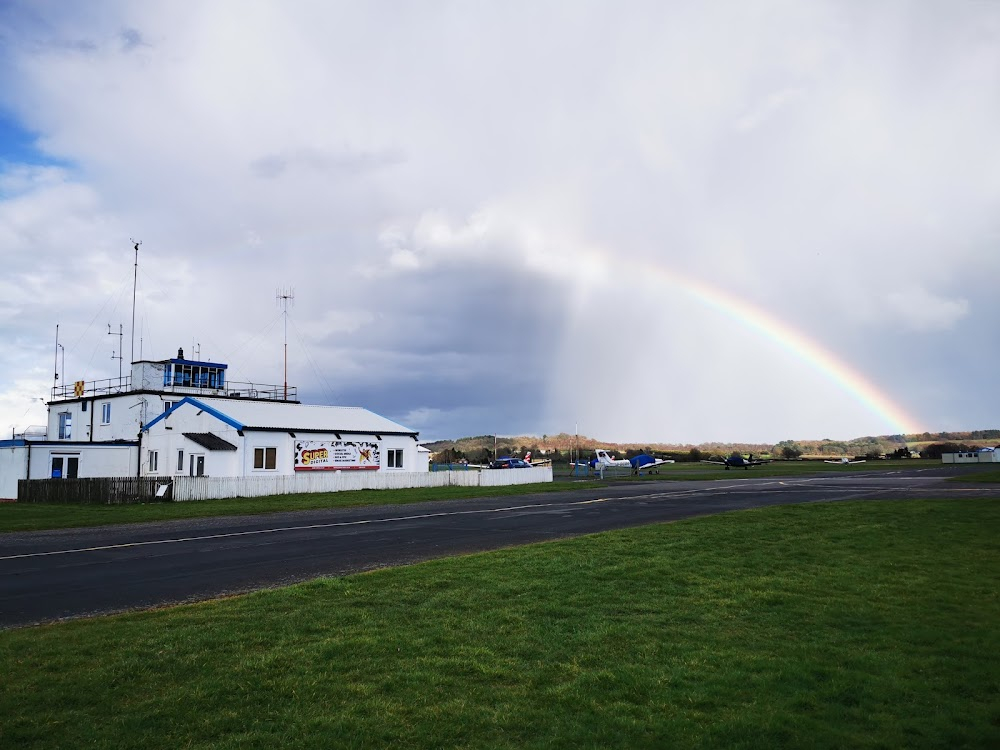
17, 145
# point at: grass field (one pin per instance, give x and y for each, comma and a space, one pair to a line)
825, 625
980, 474
703, 471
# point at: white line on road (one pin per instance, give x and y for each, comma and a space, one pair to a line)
231, 534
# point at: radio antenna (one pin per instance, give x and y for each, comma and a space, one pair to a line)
135, 279
118, 356
285, 297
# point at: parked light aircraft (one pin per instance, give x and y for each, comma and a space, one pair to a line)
736, 461
844, 461
642, 461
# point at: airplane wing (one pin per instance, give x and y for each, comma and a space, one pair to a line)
644, 461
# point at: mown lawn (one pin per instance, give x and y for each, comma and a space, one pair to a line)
826, 625
778, 468
979, 474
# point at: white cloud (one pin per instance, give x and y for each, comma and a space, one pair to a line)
458, 220
920, 310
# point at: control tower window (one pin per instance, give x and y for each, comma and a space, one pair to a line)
65, 425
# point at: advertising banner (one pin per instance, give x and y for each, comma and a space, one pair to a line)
327, 455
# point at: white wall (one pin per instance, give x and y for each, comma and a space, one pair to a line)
166, 437
971, 457
207, 488
126, 411
13, 466
95, 460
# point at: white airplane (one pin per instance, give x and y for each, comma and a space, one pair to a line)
603, 457
642, 461
844, 461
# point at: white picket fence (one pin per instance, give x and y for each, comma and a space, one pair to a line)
213, 488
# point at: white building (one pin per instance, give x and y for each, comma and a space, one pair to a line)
180, 416
979, 456
209, 437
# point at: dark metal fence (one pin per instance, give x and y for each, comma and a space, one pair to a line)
95, 491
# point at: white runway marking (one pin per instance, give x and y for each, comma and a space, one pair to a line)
679, 493
362, 522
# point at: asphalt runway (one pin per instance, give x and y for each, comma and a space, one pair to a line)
54, 575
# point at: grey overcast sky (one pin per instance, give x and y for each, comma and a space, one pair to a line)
648, 221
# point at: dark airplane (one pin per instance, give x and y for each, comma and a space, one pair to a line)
736, 461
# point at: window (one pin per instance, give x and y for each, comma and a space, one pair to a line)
195, 376
167, 406
105, 413
65, 425
83, 406
71, 470
265, 458
154, 461
395, 458
180, 460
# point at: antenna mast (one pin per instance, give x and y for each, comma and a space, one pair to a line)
135, 279
55, 365
285, 297
118, 356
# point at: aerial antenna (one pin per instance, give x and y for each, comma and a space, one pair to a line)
55, 366
118, 356
135, 279
285, 297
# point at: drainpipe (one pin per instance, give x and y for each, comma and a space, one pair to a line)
138, 458
92, 405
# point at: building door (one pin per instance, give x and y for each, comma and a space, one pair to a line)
65, 467
197, 464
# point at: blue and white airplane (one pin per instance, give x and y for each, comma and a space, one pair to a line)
640, 462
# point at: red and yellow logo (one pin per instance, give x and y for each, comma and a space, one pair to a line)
316, 454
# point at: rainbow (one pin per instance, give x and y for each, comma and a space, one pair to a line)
783, 335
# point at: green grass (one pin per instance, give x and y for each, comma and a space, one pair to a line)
702, 471
979, 473
34, 517
829, 625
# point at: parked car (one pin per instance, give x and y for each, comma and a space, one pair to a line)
510, 463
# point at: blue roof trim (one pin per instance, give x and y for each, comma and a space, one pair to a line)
198, 404
67, 444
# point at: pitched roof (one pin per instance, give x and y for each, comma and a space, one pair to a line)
210, 441
279, 415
